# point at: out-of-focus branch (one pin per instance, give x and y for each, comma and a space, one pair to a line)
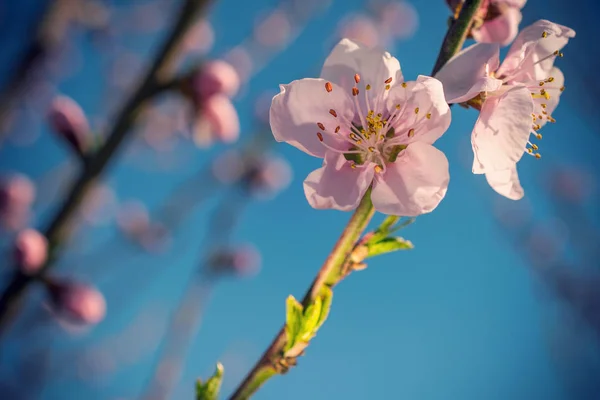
49, 33
58, 230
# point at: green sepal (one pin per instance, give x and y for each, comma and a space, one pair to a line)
388, 245
210, 389
394, 151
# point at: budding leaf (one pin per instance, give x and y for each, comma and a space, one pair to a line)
389, 245
326, 297
210, 389
312, 314
293, 321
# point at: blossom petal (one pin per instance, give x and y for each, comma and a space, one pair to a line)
336, 185
502, 29
433, 117
502, 130
468, 73
413, 185
545, 106
374, 66
297, 109
536, 42
506, 182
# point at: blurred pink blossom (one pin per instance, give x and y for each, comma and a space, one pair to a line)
17, 193
68, 120
267, 176
399, 19
242, 260
217, 121
133, 219
30, 250
215, 77
362, 29
77, 302
274, 30
200, 38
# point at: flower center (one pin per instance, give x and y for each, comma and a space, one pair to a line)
371, 135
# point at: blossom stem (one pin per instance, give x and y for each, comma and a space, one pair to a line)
59, 228
456, 34
329, 274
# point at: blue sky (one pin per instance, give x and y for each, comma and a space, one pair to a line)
459, 317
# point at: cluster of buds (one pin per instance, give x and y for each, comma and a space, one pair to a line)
17, 193
69, 122
216, 118
238, 261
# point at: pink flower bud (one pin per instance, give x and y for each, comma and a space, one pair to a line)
267, 176
17, 193
77, 302
241, 261
215, 77
68, 120
30, 250
218, 120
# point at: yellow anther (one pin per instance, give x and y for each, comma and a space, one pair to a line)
417, 110
542, 83
378, 169
428, 115
371, 149
539, 136
529, 150
543, 105
368, 87
397, 106
538, 155
550, 79
562, 89
353, 166
544, 34
404, 85
411, 132
387, 87
534, 146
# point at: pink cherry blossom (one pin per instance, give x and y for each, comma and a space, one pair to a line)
371, 128
501, 23
30, 250
516, 98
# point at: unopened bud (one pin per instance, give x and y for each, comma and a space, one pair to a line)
69, 121
215, 77
77, 302
30, 251
217, 121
